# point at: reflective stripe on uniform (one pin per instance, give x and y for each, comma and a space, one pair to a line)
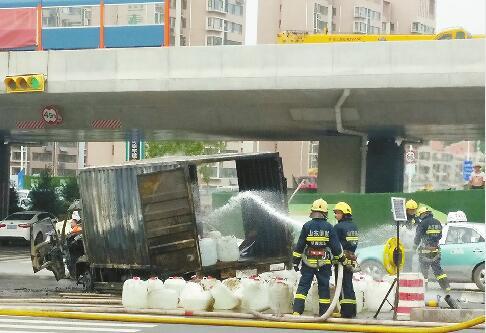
297, 254
317, 238
325, 300
339, 256
347, 301
315, 261
428, 232
429, 251
442, 276
300, 296
352, 238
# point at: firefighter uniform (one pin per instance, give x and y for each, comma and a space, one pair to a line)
316, 239
347, 233
427, 236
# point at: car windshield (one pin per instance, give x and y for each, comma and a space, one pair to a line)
20, 216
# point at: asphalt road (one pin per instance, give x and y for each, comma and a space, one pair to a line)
17, 280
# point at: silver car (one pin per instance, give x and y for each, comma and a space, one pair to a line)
24, 225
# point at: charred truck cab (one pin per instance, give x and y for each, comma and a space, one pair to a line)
142, 219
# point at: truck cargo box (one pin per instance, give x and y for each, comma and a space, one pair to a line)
141, 216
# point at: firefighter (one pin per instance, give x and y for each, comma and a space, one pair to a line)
316, 239
347, 233
427, 236
412, 221
411, 207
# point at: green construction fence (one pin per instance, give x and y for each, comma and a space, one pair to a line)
374, 209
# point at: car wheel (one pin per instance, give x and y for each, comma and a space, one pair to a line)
373, 268
478, 276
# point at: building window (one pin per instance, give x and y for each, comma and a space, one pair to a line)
320, 15
215, 23
134, 14
231, 42
233, 27
333, 11
360, 27
66, 158
79, 16
420, 28
183, 40
214, 40
313, 154
42, 157
235, 9
373, 30
367, 13
16, 156
159, 13
216, 5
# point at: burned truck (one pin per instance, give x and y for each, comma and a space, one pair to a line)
143, 219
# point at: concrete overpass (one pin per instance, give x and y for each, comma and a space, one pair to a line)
413, 90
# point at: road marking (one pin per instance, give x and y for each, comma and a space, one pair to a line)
77, 322
65, 328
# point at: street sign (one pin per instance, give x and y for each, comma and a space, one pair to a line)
467, 169
51, 115
410, 156
135, 148
398, 209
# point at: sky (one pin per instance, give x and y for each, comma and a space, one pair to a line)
469, 14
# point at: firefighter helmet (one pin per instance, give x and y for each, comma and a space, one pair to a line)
411, 204
343, 207
423, 209
320, 205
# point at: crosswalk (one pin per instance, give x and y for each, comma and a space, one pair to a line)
32, 325
21, 255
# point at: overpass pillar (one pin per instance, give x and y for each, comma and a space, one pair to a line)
384, 166
4, 177
339, 164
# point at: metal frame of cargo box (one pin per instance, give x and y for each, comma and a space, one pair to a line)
110, 198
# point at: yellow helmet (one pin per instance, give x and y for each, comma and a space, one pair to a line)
319, 205
343, 207
423, 209
411, 204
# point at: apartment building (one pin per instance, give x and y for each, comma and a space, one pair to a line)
207, 22
61, 158
439, 165
345, 16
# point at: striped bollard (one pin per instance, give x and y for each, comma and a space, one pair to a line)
412, 294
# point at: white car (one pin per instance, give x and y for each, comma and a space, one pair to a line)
18, 226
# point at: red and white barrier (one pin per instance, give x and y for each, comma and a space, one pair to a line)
412, 294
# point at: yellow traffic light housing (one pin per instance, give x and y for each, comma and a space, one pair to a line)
25, 83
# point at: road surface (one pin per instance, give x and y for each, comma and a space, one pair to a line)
17, 280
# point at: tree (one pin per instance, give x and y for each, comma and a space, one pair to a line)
13, 204
186, 148
70, 192
43, 195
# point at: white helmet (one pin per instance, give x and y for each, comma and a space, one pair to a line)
452, 217
461, 216
75, 216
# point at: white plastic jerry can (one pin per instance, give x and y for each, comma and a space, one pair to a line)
134, 294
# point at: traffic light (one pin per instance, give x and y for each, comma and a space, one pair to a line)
25, 83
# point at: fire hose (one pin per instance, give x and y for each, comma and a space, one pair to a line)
297, 319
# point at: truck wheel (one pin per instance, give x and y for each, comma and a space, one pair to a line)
478, 276
87, 280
